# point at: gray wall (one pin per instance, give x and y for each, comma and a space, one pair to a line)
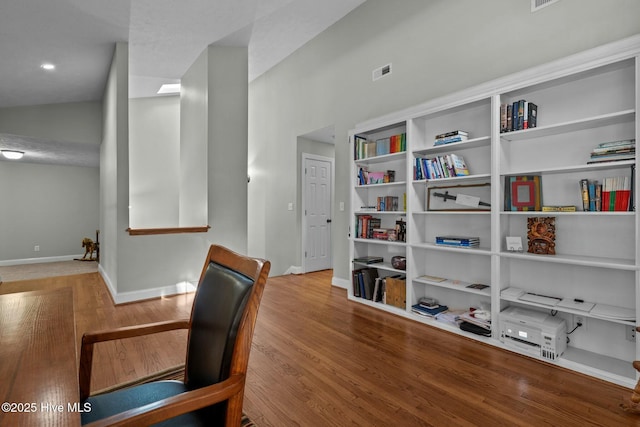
154, 161
436, 47
73, 121
51, 206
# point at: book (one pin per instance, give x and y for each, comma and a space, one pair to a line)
369, 259
428, 312
452, 133
560, 208
459, 166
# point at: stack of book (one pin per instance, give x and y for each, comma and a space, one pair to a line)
476, 321
450, 137
458, 241
428, 310
614, 151
445, 166
518, 115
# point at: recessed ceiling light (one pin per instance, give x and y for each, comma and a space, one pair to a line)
48, 67
169, 88
12, 154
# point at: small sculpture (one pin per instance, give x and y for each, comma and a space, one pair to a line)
89, 248
541, 233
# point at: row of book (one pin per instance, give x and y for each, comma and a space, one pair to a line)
518, 115
458, 241
369, 285
366, 177
613, 151
451, 137
445, 166
364, 148
387, 203
365, 224
612, 195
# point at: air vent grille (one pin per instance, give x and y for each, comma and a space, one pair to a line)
539, 4
381, 72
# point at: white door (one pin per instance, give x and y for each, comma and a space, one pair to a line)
318, 173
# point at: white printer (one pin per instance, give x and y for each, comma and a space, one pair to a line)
533, 332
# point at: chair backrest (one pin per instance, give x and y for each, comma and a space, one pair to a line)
223, 316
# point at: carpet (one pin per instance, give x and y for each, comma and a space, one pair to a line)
14, 273
173, 373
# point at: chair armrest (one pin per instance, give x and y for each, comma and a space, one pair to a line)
177, 405
90, 338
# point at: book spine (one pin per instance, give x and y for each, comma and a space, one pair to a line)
584, 192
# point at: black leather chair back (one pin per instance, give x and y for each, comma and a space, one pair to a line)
217, 311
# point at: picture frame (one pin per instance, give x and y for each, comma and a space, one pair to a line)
474, 197
523, 193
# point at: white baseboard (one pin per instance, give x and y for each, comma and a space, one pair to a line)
38, 260
144, 294
293, 270
341, 283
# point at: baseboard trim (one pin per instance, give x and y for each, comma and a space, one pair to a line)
293, 270
145, 294
341, 283
38, 260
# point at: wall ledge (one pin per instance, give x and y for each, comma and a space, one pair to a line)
170, 230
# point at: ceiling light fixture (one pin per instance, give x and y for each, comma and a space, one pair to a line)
12, 154
169, 88
48, 67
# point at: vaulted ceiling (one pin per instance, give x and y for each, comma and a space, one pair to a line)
164, 36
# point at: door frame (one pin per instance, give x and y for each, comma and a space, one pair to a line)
303, 222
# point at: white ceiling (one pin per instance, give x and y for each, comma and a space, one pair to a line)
165, 37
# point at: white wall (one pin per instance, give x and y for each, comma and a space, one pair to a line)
51, 206
436, 47
154, 161
194, 109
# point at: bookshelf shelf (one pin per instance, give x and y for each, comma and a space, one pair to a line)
580, 106
568, 311
571, 126
456, 285
434, 247
601, 262
380, 266
484, 141
381, 159
605, 166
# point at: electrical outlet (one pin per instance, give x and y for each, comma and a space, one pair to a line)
581, 320
36, 248
631, 333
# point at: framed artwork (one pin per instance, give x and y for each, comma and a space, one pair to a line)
523, 193
475, 197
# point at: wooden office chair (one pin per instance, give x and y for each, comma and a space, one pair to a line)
221, 327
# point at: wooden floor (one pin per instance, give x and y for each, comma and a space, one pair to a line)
320, 360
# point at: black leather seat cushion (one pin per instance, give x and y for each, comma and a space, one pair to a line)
108, 404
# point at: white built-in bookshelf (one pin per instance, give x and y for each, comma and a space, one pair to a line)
582, 101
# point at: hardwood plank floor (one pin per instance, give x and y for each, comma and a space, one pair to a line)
320, 360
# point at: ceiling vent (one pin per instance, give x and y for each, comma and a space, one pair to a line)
539, 4
378, 73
